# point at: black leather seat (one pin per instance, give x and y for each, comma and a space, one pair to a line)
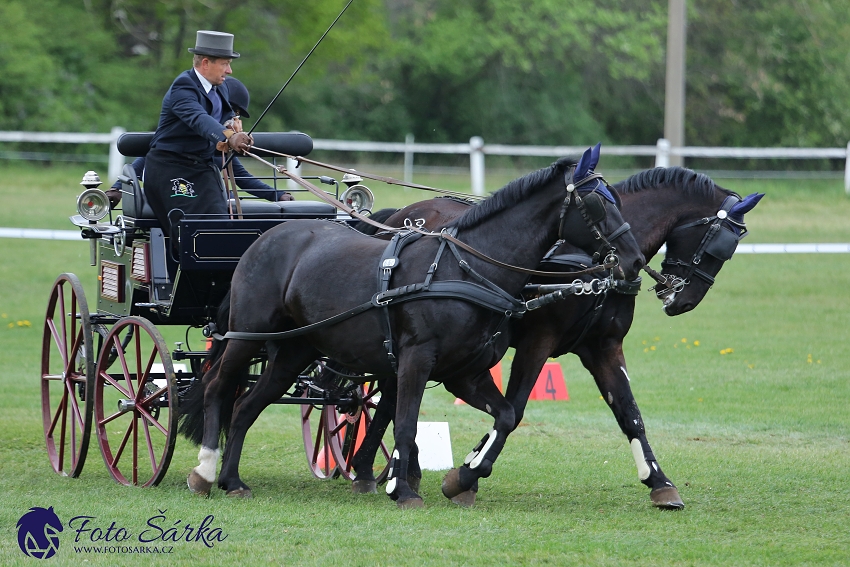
133, 199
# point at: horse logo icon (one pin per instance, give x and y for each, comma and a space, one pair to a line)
38, 533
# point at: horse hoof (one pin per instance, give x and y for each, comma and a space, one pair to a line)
451, 484
666, 498
413, 482
198, 484
240, 493
410, 503
364, 487
465, 499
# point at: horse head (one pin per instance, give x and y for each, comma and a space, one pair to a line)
698, 251
591, 219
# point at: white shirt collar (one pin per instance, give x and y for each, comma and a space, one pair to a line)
204, 82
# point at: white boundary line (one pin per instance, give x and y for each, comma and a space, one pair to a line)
40, 234
824, 248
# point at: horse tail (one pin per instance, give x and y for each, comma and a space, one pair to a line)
377, 216
191, 420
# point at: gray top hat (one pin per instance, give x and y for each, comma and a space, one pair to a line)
215, 44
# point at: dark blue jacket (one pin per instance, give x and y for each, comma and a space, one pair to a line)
185, 123
244, 179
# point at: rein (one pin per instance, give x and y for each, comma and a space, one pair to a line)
387, 180
608, 264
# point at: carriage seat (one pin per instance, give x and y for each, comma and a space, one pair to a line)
135, 205
255, 208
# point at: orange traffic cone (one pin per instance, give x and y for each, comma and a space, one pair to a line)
550, 384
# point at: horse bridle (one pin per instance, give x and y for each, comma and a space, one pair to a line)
592, 210
716, 241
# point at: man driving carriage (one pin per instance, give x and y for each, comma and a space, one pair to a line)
239, 99
182, 169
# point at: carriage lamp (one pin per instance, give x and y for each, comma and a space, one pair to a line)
358, 197
92, 204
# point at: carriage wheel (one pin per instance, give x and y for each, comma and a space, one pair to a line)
67, 363
135, 403
347, 430
317, 446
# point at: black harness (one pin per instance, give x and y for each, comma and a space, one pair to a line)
481, 291
717, 241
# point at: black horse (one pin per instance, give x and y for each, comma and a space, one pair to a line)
701, 224
290, 278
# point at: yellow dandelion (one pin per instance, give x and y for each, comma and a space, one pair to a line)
652, 347
696, 343
656, 339
644, 342
11, 325
699, 399
751, 366
684, 340
3, 315
646, 350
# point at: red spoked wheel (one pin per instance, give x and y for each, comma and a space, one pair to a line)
135, 403
347, 430
317, 442
67, 365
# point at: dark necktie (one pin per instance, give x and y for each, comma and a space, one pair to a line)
216, 102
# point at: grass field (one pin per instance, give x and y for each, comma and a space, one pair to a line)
756, 439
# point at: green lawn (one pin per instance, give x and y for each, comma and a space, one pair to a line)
756, 439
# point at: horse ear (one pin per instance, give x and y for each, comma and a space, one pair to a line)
583, 165
594, 156
746, 205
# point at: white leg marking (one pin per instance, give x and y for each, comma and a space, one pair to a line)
610, 399
640, 461
477, 460
626, 374
208, 459
391, 475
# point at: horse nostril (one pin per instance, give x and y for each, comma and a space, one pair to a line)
639, 263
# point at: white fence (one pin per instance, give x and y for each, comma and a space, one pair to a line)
476, 149
804, 248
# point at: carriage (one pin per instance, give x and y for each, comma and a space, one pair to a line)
106, 367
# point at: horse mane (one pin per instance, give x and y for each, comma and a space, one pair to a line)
689, 181
513, 193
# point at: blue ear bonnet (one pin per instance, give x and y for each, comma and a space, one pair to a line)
736, 213
584, 168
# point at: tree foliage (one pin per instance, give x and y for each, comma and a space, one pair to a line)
760, 72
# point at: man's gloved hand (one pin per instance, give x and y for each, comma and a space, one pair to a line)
286, 197
240, 142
